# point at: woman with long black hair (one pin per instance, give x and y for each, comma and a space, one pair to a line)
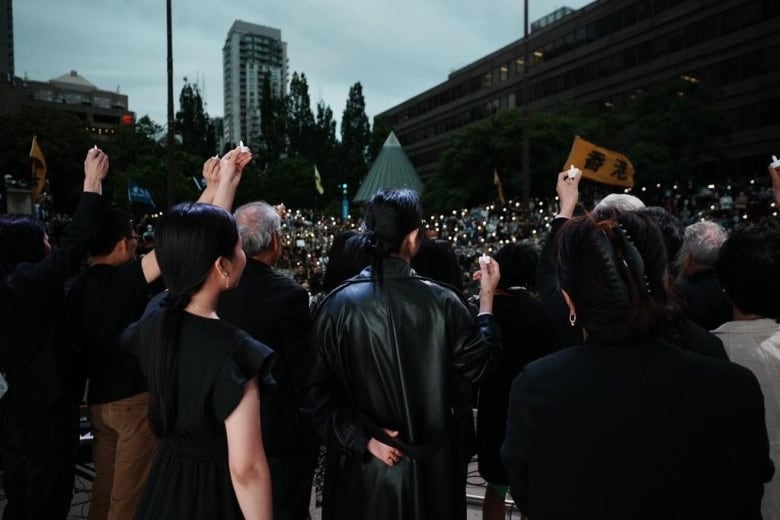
204, 377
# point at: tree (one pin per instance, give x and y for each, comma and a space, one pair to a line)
465, 174
378, 137
273, 126
325, 152
300, 120
198, 135
355, 138
64, 141
671, 128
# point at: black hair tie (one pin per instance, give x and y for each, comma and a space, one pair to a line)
175, 302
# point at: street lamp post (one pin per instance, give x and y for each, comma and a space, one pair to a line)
171, 184
344, 202
526, 144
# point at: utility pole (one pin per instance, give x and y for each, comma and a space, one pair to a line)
526, 180
171, 184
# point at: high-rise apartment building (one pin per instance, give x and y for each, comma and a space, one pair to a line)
6, 41
251, 53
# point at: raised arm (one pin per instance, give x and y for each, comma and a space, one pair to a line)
248, 466
231, 167
211, 176
774, 174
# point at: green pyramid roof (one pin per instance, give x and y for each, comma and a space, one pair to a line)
391, 169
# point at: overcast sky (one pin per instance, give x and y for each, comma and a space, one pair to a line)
396, 49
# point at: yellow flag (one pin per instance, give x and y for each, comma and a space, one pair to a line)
600, 164
318, 181
38, 165
497, 182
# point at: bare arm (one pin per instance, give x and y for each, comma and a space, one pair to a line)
774, 174
150, 267
211, 175
230, 168
246, 456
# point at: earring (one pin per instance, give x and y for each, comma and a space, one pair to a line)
572, 318
227, 281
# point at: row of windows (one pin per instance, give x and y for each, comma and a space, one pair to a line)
759, 115
647, 51
737, 18
599, 29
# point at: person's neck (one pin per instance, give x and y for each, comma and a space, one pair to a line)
742, 316
266, 257
204, 304
111, 259
401, 256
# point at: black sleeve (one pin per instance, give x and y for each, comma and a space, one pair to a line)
296, 328
326, 402
249, 358
64, 261
518, 443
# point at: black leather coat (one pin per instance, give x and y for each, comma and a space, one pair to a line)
387, 357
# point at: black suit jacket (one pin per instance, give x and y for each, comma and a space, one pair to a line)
636, 431
275, 310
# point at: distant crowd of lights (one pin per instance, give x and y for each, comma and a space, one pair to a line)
316, 237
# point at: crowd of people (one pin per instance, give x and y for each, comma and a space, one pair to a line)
623, 356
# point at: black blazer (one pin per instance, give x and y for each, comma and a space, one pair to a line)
636, 431
275, 310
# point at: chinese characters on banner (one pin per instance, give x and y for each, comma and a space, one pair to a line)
600, 164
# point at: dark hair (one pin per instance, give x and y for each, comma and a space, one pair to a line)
343, 262
390, 215
517, 263
616, 273
189, 238
749, 269
21, 241
672, 230
436, 259
115, 226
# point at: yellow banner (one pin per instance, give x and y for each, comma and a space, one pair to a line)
318, 181
38, 166
497, 182
600, 164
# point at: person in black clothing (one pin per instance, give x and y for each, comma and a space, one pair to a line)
627, 425
274, 309
38, 414
698, 284
102, 302
527, 334
105, 299
388, 342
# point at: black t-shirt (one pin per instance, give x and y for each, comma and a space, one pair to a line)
103, 302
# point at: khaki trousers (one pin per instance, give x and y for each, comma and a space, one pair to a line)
122, 450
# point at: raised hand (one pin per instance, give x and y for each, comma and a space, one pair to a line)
95, 170
568, 193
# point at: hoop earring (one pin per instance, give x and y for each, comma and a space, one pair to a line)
572, 319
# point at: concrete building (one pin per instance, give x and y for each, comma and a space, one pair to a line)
605, 53
101, 111
6, 41
251, 52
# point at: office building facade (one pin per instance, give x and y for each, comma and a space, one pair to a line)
251, 52
101, 111
603, 55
